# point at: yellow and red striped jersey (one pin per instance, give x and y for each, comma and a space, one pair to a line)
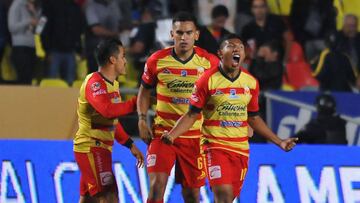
99, 106
174, 80
225, 103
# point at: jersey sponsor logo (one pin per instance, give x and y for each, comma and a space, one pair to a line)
200, 71
228, 109
106, 178
99, 92
151, 160
183, 73
176, 100
180, 86
95, 86
231, 123
233, 94
214, 172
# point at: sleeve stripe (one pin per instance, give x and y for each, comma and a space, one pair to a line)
195, 109
147, 86
252, 114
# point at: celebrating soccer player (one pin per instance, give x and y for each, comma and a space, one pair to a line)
228, 98
99, 105
173, 71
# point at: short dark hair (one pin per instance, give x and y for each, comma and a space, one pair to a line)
275, 46
228, 37
218, 11
105, 49
183, 16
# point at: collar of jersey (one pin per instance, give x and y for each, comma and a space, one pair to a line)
173, 54
226, 76
107, 80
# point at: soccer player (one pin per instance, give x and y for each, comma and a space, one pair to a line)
173, 71
228, 98
99, 105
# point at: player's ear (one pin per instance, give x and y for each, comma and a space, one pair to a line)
219, 53
112, 59
172, 34
197, 34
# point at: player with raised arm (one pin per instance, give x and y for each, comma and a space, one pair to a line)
228, 98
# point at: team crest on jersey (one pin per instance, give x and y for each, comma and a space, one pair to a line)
167, 71
246, 90
183, 73
200, 71
95, 86
233, 94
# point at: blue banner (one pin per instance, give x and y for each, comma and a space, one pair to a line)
287, 119
45, 171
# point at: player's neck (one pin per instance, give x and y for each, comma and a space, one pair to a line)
231, 73
183, 55
108, 73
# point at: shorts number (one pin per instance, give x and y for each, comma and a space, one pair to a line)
200, 162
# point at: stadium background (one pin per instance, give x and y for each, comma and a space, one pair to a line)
38, 123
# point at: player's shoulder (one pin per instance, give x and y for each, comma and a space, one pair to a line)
248, 76
160, 54
94, 80
203, 53
208, 73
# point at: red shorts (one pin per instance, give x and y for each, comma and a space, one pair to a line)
189, 167
226, 167
96, 171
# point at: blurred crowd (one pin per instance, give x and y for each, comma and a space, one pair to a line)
299, 50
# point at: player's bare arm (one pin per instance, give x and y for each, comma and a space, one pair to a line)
138, 155
181, 126
259, 126
143, 103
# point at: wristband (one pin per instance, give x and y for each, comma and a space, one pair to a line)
142, 117
128, 143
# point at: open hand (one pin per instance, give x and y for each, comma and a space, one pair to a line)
138, 155
288, 144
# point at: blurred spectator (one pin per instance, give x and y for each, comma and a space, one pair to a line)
333, 69
23, 17
265, 27
103, 20
267, 66
204, 7
125, 7
349, 39
243, 15
61, 36
311, 21
211, 35
142, 38
327, 127
184, 5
